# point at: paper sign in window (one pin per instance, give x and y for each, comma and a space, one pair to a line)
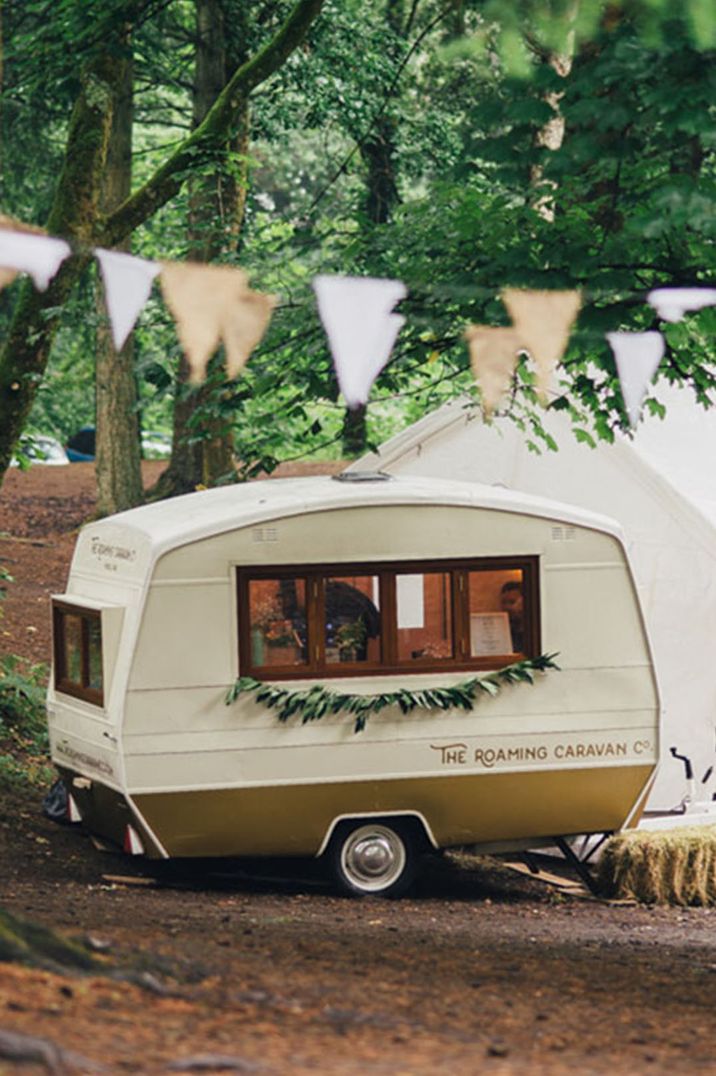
490, 634
411, 603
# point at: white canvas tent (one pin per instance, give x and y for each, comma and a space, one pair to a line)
661, 487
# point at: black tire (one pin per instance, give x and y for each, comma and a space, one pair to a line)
372, 858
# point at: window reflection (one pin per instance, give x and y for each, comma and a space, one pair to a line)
497, 613
94, 653
352, 619
424, 615
277, 614
73, 648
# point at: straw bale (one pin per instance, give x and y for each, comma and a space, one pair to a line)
676, 866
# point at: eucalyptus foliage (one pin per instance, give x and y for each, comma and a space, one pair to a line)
311, 704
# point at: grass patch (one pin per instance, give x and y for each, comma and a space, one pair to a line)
675, 866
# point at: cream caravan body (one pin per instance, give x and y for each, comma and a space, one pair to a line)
156, 760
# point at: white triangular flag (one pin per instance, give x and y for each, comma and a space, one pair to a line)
39, 255
672, 303
127, 284
361, 328
637, 357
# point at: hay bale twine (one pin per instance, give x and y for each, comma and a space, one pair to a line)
676, 866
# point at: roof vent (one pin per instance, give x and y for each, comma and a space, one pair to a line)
362, 476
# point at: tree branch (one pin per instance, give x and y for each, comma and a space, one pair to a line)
169, 177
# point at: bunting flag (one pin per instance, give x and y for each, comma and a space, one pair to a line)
6, 277
29, 252
493, 357
357, 314
11, 224
672, 303
211, 303
637, 357
127, 284
245, 327
543, 320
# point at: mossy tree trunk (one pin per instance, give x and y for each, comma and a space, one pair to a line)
76, 214
119, 475
202, 444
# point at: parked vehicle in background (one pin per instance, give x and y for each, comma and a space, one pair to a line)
39, 448
156, 445
81, 447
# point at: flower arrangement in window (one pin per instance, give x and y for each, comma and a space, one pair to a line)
268, 618
351, 638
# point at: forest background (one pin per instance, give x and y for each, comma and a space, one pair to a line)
458, 145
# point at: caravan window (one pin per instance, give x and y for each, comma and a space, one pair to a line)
277, 614
78, 652
348, 620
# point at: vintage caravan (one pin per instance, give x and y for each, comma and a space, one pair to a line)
385, 605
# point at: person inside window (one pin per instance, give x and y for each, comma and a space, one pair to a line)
512, 603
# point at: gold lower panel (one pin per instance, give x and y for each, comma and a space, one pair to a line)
294, 819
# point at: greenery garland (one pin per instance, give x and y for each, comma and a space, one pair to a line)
315, 702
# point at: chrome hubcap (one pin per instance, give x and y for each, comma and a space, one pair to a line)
373, 857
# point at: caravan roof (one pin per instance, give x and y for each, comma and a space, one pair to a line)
168, 524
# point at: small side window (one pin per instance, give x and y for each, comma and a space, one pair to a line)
78, 652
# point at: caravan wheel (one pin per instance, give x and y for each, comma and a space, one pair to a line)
372, 858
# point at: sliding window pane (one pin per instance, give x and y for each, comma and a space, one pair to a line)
497, 613
94, 643
72, 633
352, 619
424, 617
277, 618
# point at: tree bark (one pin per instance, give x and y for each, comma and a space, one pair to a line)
202, 442
199, 146
73, 215
551, 135
381, 196
119, 475
76, 216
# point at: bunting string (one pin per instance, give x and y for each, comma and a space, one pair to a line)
214, 304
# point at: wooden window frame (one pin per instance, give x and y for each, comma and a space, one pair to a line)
316, 666
80, 690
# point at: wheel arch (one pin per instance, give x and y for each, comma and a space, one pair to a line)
417, 821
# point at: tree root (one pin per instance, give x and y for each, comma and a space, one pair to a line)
22, 942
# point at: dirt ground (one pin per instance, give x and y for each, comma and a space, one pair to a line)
260, 968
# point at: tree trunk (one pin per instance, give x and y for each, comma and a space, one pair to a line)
75, 212
381, 196
202, 442
73, 215
2, 90
551, 135
119, 475
381, 186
